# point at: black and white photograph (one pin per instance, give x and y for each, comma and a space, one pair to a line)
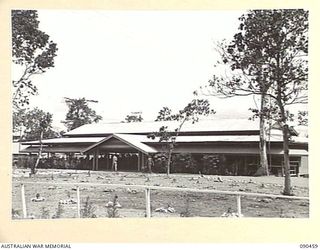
157, 114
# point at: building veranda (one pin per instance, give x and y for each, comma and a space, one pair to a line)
224, 147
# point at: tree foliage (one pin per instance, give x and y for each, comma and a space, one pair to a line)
80, 113
270, 54
271, 46
287, 68
18, 118
34, 122
165, 114
33, 50
248, 61
303, 118
279, 47
191, 112
133, 118
184, 163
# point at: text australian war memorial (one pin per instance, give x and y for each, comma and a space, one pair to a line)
209, 146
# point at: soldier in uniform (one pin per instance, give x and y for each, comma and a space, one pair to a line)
150, 164
115, 163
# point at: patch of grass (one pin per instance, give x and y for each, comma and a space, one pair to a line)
186, 212
59, 212
88, 211
45, 214
16, 214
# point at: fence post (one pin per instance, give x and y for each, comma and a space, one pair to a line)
78, 202
148, 204
239, 205
23, 199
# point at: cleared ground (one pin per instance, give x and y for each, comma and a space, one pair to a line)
132, 200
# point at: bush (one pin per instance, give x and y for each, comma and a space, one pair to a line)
25, 161
160, 163
210, 164
188, 163
184, 163
59, 212
88, 209
45, 214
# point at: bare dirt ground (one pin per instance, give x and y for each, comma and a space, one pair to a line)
132, 200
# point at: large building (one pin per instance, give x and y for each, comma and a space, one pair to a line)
234, 142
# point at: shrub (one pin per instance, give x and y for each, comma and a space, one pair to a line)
210, 164
160, 163
16, 214
44, 213
88, 209
59, 212
184, 163
186, 211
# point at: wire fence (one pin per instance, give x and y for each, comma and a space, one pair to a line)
87, 200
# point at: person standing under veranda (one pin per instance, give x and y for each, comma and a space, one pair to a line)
115, 163
150, 164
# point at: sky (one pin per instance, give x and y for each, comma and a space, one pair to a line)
132, 61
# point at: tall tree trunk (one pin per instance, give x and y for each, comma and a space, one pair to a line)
285, 130
169, 159
172, 144
286, 159
285, 136
33, 169
263, 168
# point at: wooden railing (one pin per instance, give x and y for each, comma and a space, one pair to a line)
148, 192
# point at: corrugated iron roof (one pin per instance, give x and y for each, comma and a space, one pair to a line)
237, 150
132, 140
144, 144
140, 141
56, 149
203, 138
217, 138
299, 139
16, 148
292, 152
65, 140
150, 127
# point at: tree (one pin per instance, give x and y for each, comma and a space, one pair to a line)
303, 118
165, 114
80, 113
36, 125
274, 46
134, 117
289, 70
32, 50
248, 62
18, 119
191, 112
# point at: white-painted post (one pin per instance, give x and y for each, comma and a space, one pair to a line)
148, 203
239, 205
23, 199
78, 202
